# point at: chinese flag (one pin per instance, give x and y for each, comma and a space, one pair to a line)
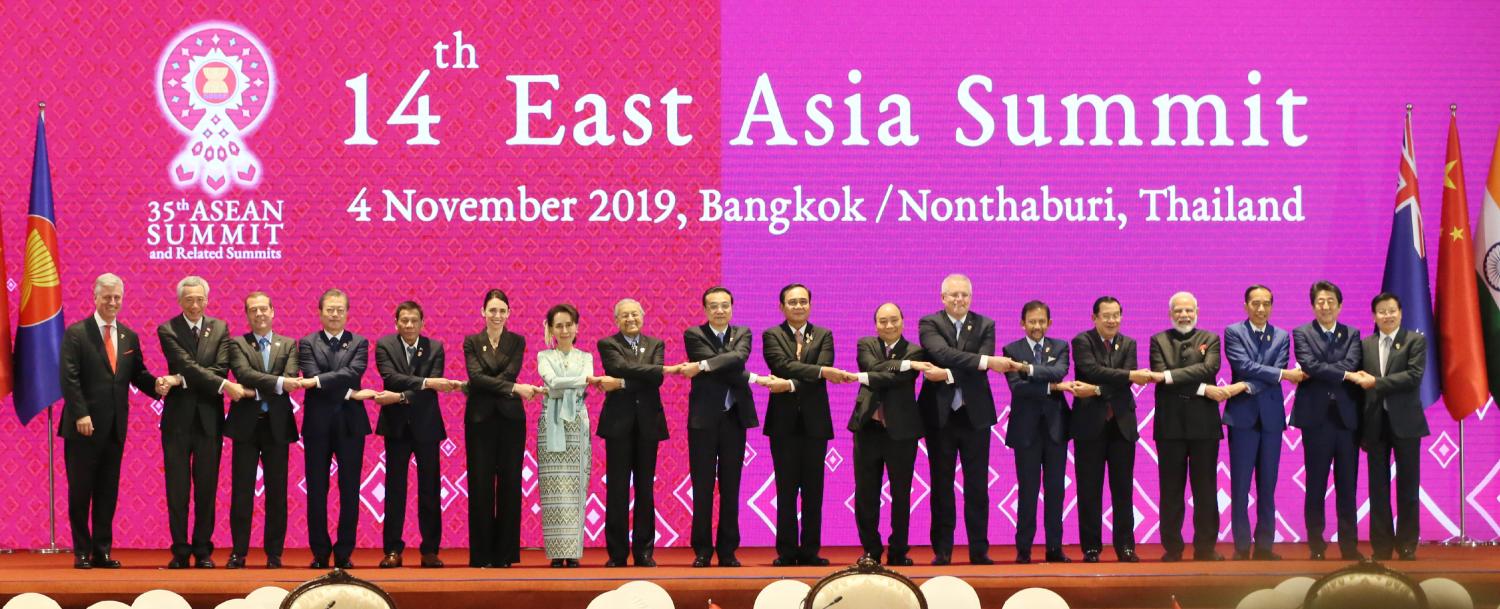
1465, 388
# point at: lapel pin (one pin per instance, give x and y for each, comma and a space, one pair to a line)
344, 345
484, 348
1047, 349
419, 353
1117, 346
1202, 349
1398, 346
968, 327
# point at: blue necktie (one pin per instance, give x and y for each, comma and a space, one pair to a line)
1036, 351
265, 364
958, 342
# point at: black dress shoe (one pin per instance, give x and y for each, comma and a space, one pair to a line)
1209, 556
344, 563
612, 563
1091, 556
572, 563
1172, 557
103, 561
1316, 555
1058, 557
782, 561
431, 561
814, 561
499, 565
82, 562
1407, 555
203, 563
178, 562
318, 563
645, 561
235, 562
981, 559
899, 561
1354, 556
1128, 555
701, 561
391, 561
1241, 555
729, 561
273, 562
557, 563
1023, 559
1265, 555
939, 560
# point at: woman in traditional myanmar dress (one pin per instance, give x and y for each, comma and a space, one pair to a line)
563, 453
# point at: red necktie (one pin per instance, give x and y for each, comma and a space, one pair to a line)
109, 345
1109, 409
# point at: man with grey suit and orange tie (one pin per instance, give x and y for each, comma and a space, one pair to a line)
1395, 359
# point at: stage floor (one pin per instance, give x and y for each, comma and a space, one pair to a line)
1145, 585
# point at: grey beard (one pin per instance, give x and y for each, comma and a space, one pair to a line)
1185, 329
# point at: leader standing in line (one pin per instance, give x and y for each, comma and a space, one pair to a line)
1326, 409
1038, 429
1104, 430
1394, 424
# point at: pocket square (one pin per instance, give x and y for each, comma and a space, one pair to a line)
129, 352
1051, 359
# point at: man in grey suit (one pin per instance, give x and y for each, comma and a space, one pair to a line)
1394, 424
192, 417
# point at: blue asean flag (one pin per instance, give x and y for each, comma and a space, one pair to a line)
40, 331
1406, 268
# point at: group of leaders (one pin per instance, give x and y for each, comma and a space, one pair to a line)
1351, 394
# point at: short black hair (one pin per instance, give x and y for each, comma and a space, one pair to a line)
333, 293
561, 308
1102, 300
1324, 286
1382, 297
409, 305
1034, 305
788, 288
1258, 287
714, 290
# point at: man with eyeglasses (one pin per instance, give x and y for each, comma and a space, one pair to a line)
1104, 431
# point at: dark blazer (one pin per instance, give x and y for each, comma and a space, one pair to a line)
1029, 400
90, 389
1259, 364
1325, 365
338, 370
805, 409
936, 334
1182, 414
420, 418
1110, 371
492, 375
1395, 393
203, 361
889, 386
726, 375
636, 406
244, 360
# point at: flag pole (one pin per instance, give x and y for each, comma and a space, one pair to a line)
51, 547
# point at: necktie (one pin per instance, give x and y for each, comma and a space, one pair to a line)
265, 364
1109, 409
728, 395
958, 393
109, 345
411, 354
1036, 353
880, 407
887, 351
799, 344
1385, 353
1328, 337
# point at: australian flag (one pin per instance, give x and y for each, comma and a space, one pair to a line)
1406, 267
39, 333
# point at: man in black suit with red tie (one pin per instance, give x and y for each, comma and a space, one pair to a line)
1185, 367
100, 359
261, 427
197, 350
1326, 409
886, 427
633, 425
799, 425
334, 426
720, 409
958, 414
411, 421
1038, 429
1104, 432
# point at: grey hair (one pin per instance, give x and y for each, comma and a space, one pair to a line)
1180, 295
192, 281
954, 276
108, 280
625, 301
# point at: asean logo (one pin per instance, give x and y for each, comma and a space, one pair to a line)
215, 83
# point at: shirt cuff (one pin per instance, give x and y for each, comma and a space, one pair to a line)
1202, 388
905, 365
318, 382
984, 362
703, 365
951, 379
348, 394
1168, 375
622, 383
754, 377
279, 390
793, 384
864, 377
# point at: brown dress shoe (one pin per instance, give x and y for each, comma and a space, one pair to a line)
431, 561
391, 561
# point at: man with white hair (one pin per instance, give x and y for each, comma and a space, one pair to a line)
1185, 366
192, 420
100, 360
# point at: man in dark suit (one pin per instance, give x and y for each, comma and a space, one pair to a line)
1037, 430
1104, 431
886, 427
799, 425
334, 426
633, 424
1255, 414
1394, 424
100, 360
958, 414
197, 351
1185, 367
262, 427
1326, 410
411, 367
720, 409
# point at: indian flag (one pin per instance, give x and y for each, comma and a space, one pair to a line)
1487, 262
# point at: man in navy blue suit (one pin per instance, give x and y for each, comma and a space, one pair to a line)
1258, 354
1037, 429
334, 426
1327, 411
